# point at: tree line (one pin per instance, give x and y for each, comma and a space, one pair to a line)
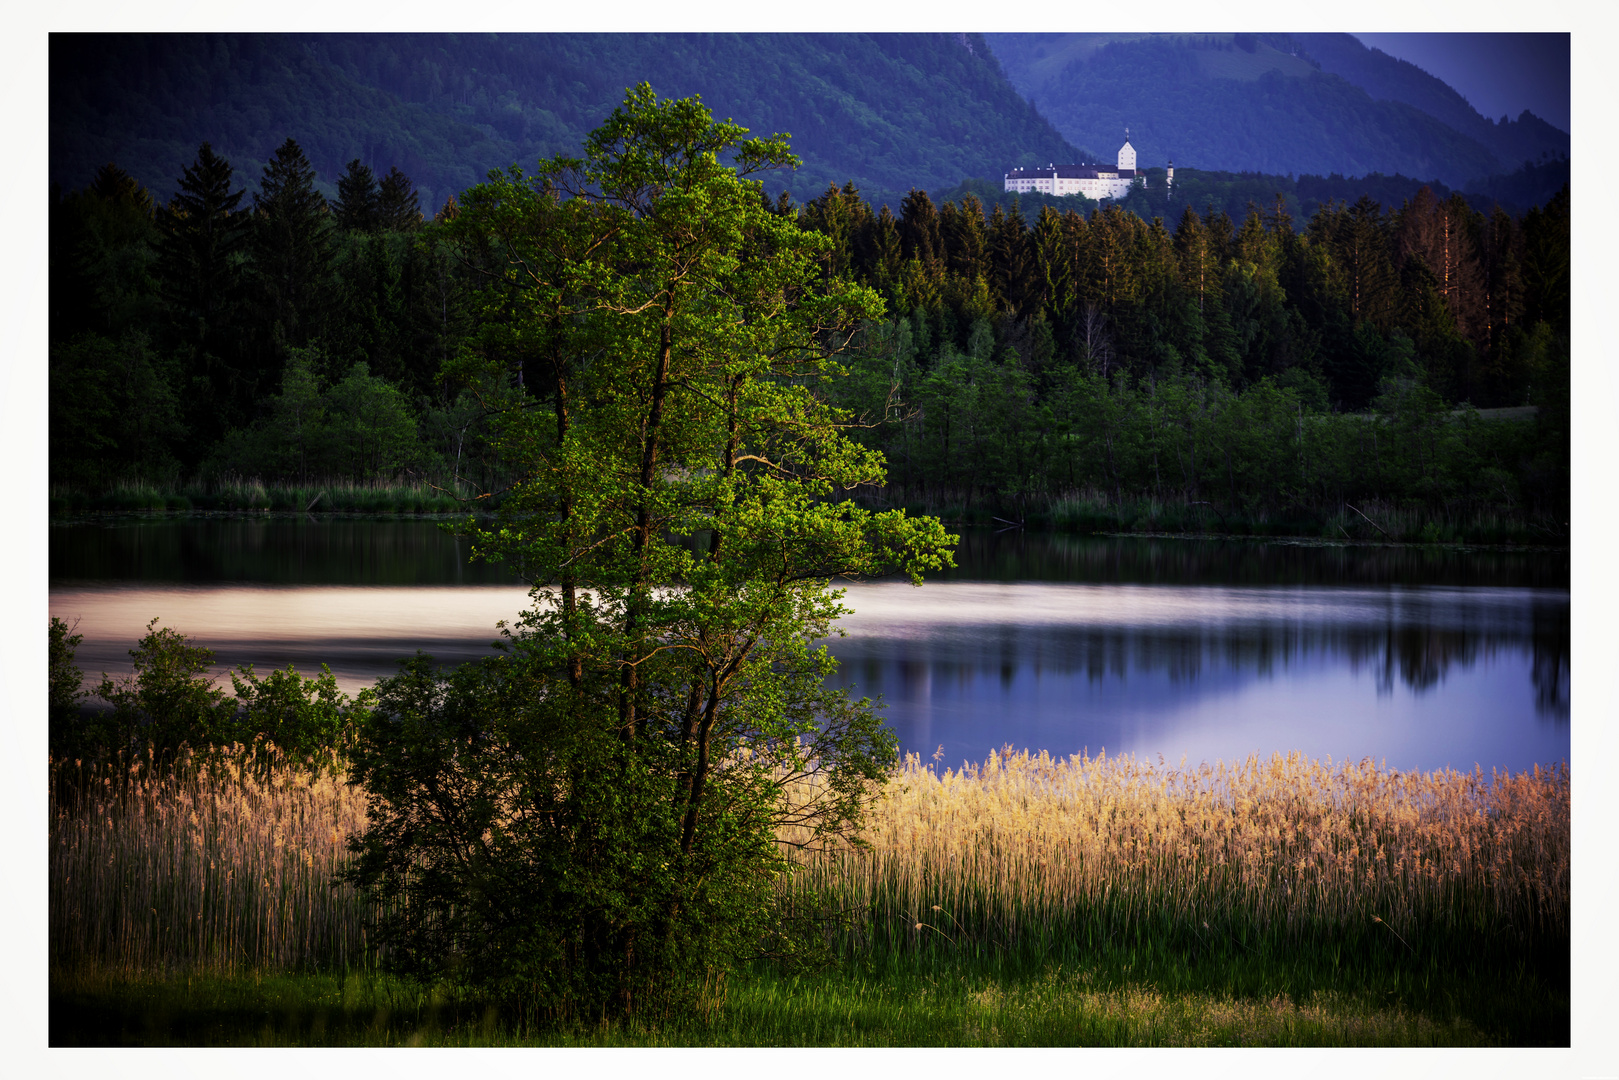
290, 337
1107, 353
285, 336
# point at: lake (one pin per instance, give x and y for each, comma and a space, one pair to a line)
1191, 649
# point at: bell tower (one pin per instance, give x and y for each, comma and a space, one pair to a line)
1127, 154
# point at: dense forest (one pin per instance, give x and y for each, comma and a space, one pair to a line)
1094, 365
1276, 103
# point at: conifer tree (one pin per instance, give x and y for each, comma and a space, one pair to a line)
203, 248
103, 262
292, 255
201, 270
886, 254
357, 207
1009, 258
919, 230
1197, 266
398, 208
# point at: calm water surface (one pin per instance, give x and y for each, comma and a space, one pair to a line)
1198, 649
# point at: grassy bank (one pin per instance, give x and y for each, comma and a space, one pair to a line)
1084, 513
1058, 1008
1372, 520
238, 495
1023, 901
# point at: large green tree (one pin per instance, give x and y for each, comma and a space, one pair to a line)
595, 822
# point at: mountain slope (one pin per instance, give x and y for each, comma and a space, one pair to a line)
1386, 78
887, 111
1261, 102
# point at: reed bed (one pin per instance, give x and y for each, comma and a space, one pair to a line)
206, 864
223, 866
1029, 854
236, 494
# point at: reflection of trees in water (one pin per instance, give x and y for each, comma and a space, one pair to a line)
281, 549
1549, 667
1419, 657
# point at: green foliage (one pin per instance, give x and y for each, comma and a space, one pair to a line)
1182, 451
168, 701
114, 410
66, 679
308, 720
359, 427
592, 824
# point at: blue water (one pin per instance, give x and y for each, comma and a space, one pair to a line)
1420, 678
1418, 657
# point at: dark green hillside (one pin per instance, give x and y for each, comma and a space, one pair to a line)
1236, 102
1528, 138
888, 111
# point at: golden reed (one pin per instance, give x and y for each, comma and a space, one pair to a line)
1287, 844
217, 865
203, 865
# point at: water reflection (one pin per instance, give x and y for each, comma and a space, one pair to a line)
269, 549
1422, 677
1210, 649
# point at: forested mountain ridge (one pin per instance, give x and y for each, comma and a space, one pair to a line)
1513, 140
887, 111
1267, 103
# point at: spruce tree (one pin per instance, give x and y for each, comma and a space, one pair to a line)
204, 236
398, 208
358, 205
293, 256
201, 271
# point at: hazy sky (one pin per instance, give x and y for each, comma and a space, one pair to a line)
1499, 74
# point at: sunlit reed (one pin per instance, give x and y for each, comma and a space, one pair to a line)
207, 866
1028, 849
215, 866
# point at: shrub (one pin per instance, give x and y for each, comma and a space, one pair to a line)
309, 720
167, 702
66, 680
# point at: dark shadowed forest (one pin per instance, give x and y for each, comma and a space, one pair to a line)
1082, 367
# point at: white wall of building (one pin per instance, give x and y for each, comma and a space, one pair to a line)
1104, 185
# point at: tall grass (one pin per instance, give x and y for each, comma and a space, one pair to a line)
218, 865
1096, 511
208, 864
238, 494
1052, 859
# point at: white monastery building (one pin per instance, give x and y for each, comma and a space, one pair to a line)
1091, 181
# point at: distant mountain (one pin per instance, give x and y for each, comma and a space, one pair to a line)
1513, 141
1274, 103
887, 111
